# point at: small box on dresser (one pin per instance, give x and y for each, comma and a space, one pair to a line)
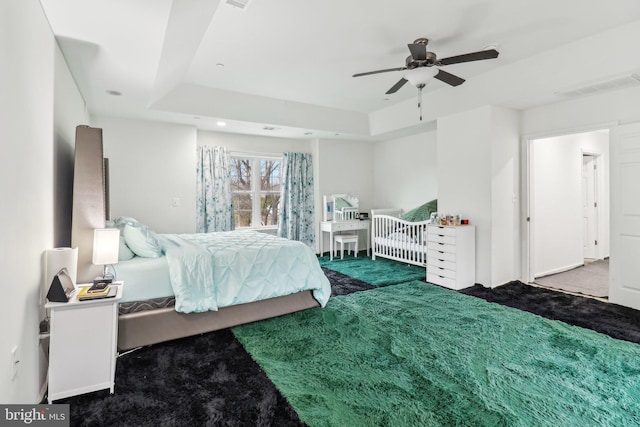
451, 259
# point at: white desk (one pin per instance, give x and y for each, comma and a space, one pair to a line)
337, 226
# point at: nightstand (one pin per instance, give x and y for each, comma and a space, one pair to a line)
83, 345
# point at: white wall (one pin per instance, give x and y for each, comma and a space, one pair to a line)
347, 167
581, 114
478, 176
32, 164
150, 164
464, 179
406, 171
505, 195
556, 196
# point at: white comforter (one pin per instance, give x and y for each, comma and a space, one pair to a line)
212, 270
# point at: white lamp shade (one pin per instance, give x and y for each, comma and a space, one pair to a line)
106, 243
420, 75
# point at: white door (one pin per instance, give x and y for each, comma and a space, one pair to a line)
624, 264
589, 203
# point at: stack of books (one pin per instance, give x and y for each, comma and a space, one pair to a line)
96, 292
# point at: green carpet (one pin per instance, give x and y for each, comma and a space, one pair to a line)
380, 272
419, 355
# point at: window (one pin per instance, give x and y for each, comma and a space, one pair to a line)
255, 184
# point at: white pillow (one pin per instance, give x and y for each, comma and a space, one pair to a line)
142, 240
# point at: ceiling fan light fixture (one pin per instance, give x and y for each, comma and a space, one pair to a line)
421, 76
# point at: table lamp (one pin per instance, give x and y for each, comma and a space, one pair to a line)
106, 243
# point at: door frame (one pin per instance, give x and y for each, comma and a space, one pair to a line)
526, 228
597, 163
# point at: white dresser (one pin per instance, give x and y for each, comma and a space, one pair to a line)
451, 256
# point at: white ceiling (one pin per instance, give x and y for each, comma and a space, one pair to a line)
289, 64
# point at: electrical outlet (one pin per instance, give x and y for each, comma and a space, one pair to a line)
15, 360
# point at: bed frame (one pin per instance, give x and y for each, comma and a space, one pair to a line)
155, 326
410, 248
90, 210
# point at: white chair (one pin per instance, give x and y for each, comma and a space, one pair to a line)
342, 239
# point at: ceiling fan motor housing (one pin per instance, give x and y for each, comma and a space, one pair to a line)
415, 63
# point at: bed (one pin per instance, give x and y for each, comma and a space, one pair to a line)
208, 281
148, 312
398, 239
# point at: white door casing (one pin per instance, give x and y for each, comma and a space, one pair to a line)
624, 264
589, 203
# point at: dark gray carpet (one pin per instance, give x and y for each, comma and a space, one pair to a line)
206, 380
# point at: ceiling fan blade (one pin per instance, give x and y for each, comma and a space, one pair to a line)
396, 86
418, 51
468, 57
379, 71
449, 78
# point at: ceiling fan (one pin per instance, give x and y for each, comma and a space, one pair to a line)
421, 67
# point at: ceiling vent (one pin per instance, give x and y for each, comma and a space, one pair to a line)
602, 86
240, 4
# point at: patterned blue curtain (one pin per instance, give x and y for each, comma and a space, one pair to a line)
296, 219
214, 202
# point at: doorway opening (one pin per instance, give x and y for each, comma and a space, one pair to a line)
568, 211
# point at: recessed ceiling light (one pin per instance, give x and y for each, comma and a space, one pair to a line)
221, 123
220, 64
385, 99
269, 128
196, 117
308, 133
113, 92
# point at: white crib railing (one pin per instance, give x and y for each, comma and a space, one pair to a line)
397, 239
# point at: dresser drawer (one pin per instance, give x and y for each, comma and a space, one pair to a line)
441, 247
441, 271
441, 231
441, 280
441, 263
450, 240
344, 226
433, 255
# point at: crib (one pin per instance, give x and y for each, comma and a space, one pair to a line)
397, 239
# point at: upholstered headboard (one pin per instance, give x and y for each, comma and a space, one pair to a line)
89, 200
